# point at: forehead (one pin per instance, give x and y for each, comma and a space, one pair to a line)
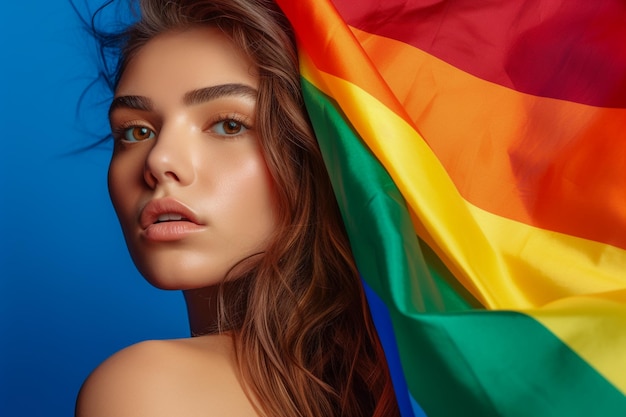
179, 61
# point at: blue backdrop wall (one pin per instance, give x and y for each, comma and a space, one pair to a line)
69, 294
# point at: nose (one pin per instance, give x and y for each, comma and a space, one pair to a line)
169, 159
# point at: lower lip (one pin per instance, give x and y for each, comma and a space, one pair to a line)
170, 231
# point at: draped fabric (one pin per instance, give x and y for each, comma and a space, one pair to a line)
478, 153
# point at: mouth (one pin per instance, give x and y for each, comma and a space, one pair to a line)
168, 220
166, 210
171, 217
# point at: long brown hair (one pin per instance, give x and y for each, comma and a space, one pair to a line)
304, 339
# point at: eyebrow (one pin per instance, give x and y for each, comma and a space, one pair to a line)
203, 95
193, 97
131, 102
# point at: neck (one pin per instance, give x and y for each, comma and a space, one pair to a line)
202, 310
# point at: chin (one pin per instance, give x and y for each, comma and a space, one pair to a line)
179, 275
179, 269
177, 282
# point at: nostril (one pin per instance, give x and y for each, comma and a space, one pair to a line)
149, 178
153, 179
166, 160
172, 175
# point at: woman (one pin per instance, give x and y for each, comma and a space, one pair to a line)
221, 192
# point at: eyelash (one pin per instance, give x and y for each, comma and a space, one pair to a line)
240, 120
119, 133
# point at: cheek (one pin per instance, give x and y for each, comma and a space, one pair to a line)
249, 203
270, 201
124, 183
261, 193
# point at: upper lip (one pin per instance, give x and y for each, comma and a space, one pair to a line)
168, 205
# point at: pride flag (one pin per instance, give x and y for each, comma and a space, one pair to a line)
478, 152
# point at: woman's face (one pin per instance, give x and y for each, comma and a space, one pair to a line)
187, 177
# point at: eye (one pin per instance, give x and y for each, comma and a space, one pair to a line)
137, 134
229, 127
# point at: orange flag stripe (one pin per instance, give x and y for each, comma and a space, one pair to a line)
331, 45
495, 258
545, 139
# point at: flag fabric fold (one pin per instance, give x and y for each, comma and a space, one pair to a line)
478, 154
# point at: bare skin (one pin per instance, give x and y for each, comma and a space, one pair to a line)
183, 119
184, 377
193, 195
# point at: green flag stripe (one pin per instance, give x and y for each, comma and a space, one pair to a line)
372, 205
470, 363
498, 364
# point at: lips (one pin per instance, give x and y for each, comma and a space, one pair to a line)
170, 217
167, 219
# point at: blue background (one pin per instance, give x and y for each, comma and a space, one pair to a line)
69, 294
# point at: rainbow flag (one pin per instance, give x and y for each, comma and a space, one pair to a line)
478, 153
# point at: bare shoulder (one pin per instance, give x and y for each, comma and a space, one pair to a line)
187, 377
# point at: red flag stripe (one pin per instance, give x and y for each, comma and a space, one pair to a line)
571, 50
